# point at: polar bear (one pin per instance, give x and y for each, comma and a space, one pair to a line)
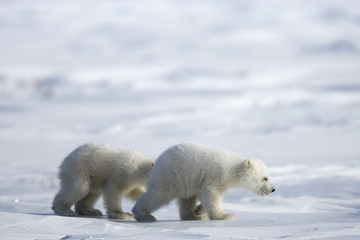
93, 169
190, 172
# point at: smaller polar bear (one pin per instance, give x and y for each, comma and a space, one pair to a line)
191, 172
93, 169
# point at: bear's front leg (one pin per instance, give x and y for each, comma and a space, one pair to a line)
120, 215
212, 205
135, 193
112, 198
86, 205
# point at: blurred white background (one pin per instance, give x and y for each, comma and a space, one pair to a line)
274, 79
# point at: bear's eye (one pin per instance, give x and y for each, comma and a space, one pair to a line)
265, 179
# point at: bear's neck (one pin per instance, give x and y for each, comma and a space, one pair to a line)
236, 171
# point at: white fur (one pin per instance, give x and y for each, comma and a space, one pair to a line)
93, 169
191, 172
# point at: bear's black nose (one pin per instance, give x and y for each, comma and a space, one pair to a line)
273, 190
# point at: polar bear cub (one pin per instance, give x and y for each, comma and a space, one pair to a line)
93, 169
191, 172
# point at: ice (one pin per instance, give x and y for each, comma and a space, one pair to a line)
277, 80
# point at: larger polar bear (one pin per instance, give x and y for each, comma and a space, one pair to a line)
191, 172
93, 169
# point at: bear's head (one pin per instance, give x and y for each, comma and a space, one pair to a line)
255, 178
144, 170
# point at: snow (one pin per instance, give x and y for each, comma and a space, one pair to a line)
276, 79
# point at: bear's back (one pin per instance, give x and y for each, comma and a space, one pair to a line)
189, 166
101, 160
196, 155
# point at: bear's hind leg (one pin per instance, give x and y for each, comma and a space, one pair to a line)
187, 209
149, 202
211, 203
66, 198
86, 205
200, 214
61, 205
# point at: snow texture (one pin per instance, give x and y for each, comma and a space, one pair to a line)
278, 80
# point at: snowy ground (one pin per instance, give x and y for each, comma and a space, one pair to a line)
277, 80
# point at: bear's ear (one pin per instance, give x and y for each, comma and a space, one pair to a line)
151, 164
248, 163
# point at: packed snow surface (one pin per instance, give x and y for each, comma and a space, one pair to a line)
278, 80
